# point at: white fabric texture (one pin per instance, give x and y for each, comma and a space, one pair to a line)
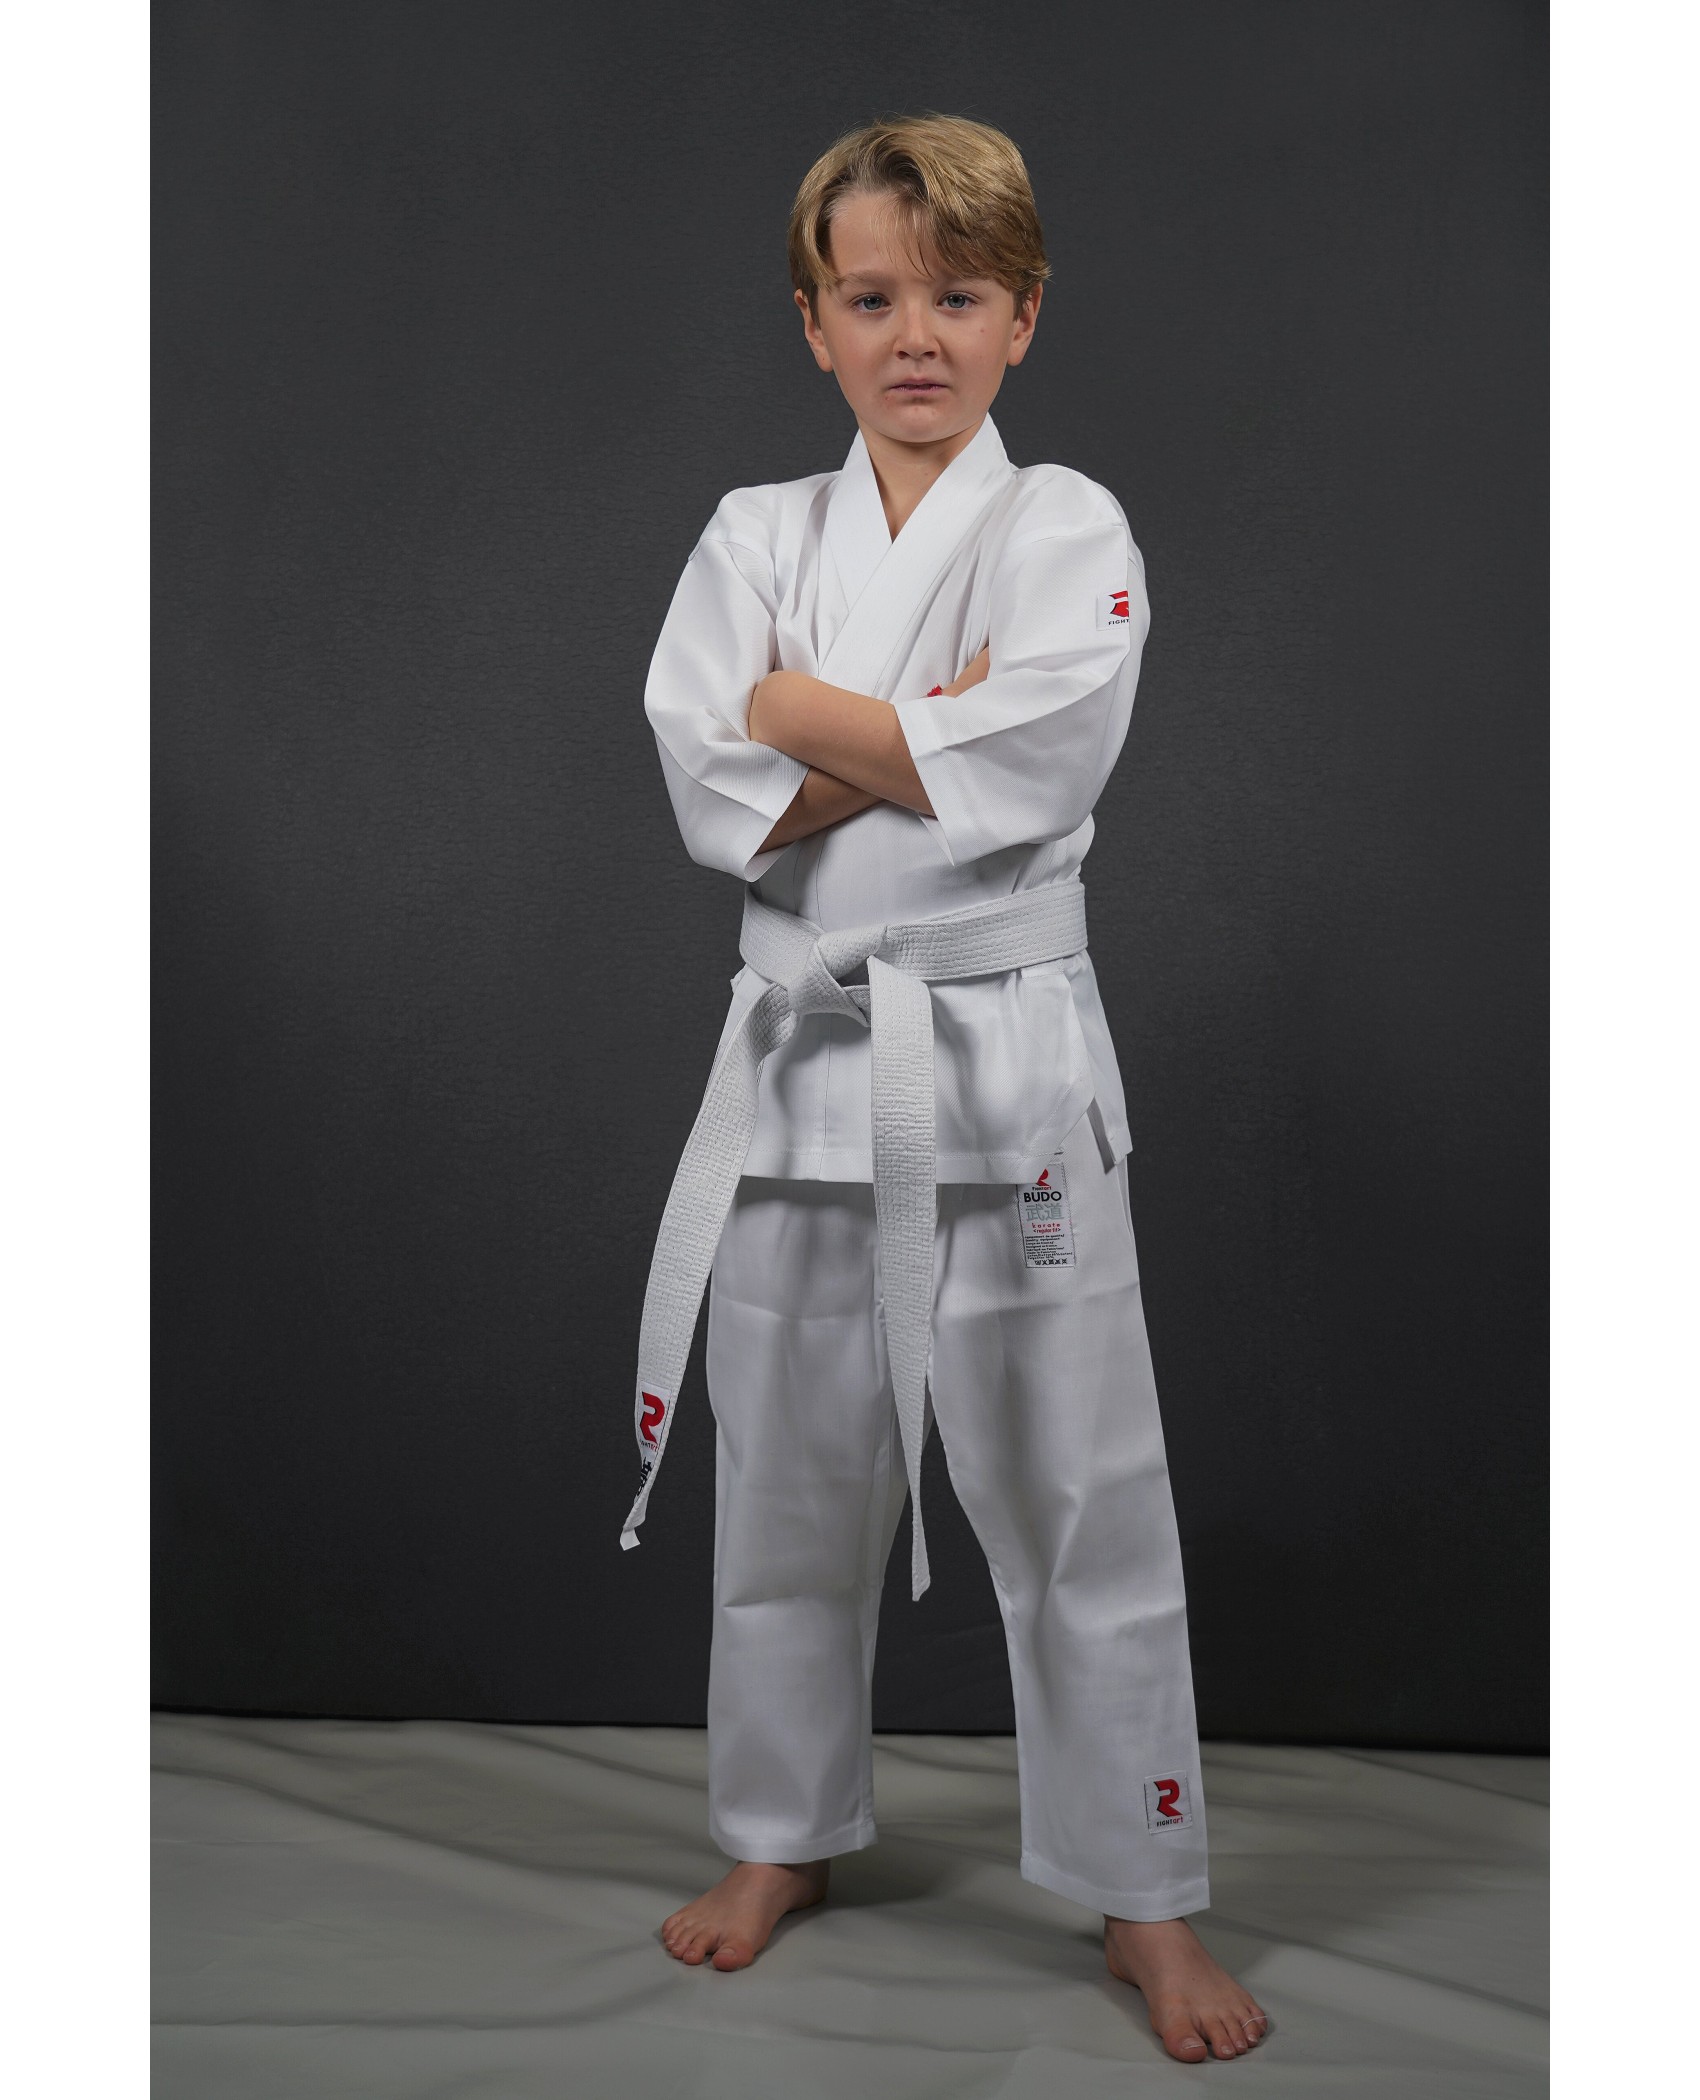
807, 970
805, 576
1046, 1404
419, 1910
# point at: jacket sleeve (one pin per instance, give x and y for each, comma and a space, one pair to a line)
1022, 756
716, 643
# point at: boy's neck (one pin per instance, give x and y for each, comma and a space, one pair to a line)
905, 472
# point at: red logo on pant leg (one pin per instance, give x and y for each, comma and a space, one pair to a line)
1166, 1804
654, 1407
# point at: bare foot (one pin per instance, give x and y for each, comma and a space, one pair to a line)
1196, 2007
734, 1920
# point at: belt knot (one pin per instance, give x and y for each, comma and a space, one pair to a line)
819, 986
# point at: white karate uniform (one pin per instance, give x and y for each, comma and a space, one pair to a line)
1038, 1365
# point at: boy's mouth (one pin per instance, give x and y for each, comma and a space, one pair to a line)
917, 386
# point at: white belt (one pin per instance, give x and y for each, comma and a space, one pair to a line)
806, 968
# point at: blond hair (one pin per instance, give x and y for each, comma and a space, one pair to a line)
962, 185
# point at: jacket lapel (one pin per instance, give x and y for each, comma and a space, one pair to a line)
886, 580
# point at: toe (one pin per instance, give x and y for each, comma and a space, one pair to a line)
1184, 2042
1223, 2041
733, 1954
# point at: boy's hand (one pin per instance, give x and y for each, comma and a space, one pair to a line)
978, 669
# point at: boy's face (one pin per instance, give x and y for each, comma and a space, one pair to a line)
919, 353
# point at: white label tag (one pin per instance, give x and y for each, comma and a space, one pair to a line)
1168, 1803
1047, 1231
654, 1419
1112, 608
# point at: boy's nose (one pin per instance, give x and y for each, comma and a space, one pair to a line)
915, 329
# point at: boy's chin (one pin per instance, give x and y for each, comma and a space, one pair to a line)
919, 423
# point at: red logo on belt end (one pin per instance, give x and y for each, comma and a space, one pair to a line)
654, 1408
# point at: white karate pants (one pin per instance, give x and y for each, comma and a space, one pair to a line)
1043, 1392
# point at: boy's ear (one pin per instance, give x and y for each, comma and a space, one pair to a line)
811, 329
1026, 313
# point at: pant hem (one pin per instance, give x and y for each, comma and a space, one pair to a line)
784, 1851
1144, 1906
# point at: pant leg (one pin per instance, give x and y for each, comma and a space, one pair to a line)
1047, 1406
809, 1486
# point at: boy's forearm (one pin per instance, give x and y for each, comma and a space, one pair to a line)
822, 799
852, 736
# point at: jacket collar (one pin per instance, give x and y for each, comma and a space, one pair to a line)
884, 579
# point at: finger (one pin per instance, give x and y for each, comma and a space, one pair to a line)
979, 668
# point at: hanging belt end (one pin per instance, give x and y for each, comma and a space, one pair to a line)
920, 1574
629, 1539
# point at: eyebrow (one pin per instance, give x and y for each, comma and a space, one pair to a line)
881, 277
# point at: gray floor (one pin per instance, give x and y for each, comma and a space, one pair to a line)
436, 1909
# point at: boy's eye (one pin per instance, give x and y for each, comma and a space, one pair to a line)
860, 304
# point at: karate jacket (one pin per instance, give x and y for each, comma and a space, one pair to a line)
805, 576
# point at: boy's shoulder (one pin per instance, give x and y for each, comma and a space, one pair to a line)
1052, 499
756, 515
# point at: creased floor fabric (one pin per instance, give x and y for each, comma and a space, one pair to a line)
450, 1911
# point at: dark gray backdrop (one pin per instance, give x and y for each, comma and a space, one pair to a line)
467, 316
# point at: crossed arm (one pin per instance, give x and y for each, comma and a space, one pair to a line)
852, 744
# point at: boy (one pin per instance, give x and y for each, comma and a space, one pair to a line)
907, 1187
